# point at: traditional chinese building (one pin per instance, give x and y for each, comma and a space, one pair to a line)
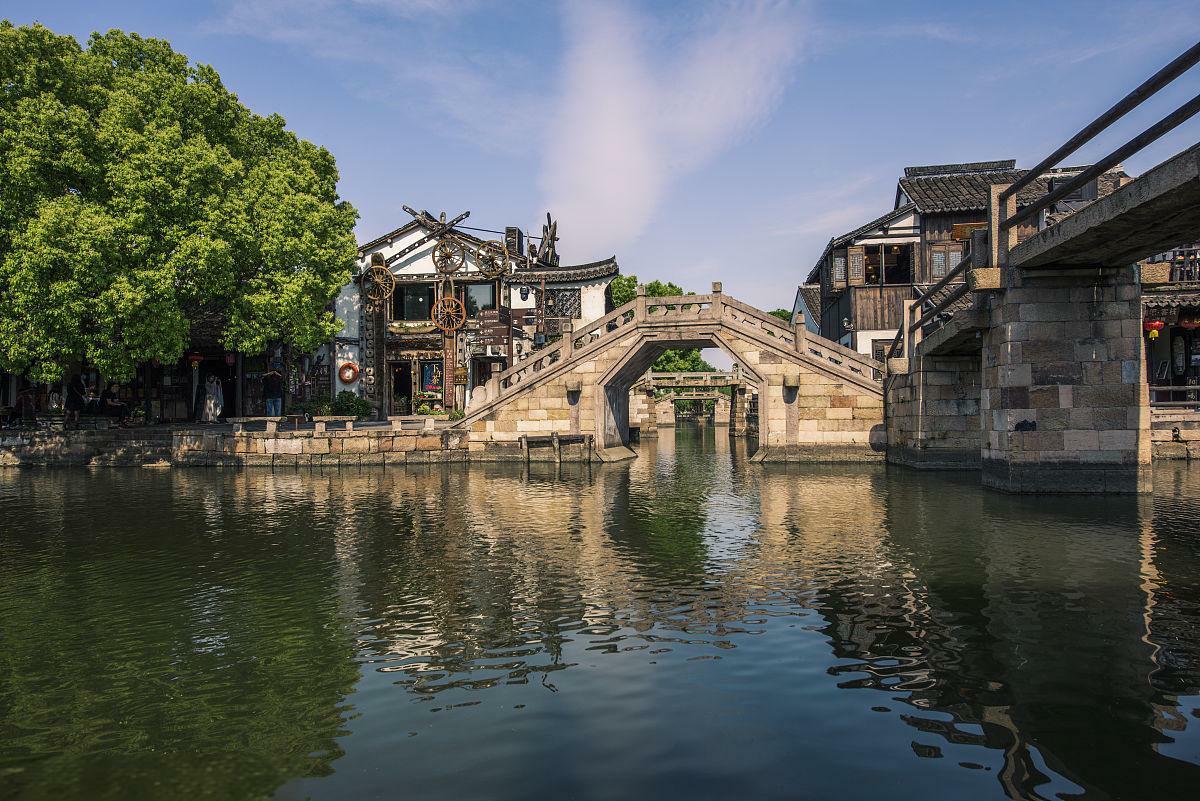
866, 274
435, 309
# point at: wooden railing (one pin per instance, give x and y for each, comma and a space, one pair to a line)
1185, 264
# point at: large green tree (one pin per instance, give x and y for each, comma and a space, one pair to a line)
623, 289
139, 198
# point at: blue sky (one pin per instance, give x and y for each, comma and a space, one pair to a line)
697, 141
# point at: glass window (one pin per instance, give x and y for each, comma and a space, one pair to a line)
480, 297
939, 263
412, 302
839, 268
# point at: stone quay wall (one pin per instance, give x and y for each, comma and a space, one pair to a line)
1175, 433
192, 447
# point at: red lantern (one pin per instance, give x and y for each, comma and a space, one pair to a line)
1153, 327
230, 359
1191, 322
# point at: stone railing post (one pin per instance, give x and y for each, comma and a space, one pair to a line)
912, 336
639, 307
568, 338
718, 300
1001, 241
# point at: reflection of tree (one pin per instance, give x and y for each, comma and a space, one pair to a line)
659, 521
195, 649
1045, 635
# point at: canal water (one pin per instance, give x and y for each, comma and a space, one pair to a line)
686, 626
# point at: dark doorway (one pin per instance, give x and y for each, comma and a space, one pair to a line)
402, 388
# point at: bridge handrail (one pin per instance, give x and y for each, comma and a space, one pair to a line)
937, 305
1146, 90
651, 310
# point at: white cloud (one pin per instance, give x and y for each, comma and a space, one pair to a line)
642, 106
412, 58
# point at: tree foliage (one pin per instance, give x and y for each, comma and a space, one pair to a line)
783, 314
139, 198
623, 289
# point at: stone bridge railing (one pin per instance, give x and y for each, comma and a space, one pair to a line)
703, 313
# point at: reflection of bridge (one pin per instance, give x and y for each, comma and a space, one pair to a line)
817, 400
1033, 367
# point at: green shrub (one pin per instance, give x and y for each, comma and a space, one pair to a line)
457, 414
348, 403
424, 409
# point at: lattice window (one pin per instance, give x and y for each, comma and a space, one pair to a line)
939, 263
839, 268
563, 303
856, 266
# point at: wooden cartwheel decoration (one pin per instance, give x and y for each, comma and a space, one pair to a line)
348, 373
382, 285
492, 259
449, 256
448, 312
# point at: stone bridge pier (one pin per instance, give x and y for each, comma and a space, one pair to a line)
721, 411
933, 413
664, 412
1064, 405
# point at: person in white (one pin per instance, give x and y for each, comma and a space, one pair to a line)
214, 400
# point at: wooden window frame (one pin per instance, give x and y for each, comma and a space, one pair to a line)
947, 250
856, 265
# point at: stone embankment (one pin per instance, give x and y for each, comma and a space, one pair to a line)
310, 446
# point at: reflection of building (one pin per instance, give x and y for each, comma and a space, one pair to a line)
406, 361
865, 275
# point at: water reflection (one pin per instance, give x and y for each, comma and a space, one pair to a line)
687, 625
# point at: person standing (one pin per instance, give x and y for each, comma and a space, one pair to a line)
272, 383
76, 399
214, 399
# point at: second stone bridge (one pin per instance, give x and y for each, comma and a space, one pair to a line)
817, 401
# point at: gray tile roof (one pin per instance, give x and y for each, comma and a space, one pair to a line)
811, 294
971, 166
574, 272
837, 241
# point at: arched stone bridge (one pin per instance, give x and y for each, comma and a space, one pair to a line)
818, 401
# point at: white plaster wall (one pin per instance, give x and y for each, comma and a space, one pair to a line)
347, 311
347, 352
863, 339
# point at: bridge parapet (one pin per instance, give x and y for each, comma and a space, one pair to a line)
688, 311
816, 399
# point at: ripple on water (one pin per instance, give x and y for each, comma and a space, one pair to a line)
685, 626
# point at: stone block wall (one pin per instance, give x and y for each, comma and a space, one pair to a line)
664, 412
1064, 401
1175, 433
933, 413
199, 448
